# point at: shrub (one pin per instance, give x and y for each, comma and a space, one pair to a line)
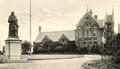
58, 49
117, 57
26, 47
84, 50
37, 48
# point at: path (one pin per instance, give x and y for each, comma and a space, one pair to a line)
75, 63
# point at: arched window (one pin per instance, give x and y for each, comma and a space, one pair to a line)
87, 30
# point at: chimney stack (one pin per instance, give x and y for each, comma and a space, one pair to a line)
39, 28
90, 11
96, 16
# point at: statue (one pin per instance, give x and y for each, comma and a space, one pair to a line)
13, 26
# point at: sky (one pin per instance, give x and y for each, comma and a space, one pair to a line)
52, 15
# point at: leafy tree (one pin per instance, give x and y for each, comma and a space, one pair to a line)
26, 47
112, 47
117, 49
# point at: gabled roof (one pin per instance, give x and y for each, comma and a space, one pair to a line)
55, 35
91, 20
45, 38
63, 37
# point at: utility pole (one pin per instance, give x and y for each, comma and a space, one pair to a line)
30, 28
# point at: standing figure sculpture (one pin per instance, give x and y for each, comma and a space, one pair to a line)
13, 26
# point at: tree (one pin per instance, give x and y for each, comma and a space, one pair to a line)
112, 47
26, 47
116, 50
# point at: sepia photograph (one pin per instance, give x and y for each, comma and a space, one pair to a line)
60, 34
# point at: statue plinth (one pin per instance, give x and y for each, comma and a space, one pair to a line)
13, 48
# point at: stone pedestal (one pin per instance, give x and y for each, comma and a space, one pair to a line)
13, 48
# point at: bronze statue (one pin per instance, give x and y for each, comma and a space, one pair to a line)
13, 26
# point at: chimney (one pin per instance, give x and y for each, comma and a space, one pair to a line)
39, 28
90, 11
96, 16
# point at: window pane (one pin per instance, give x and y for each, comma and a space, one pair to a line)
85, 33
89, 32
80, 33
95, 32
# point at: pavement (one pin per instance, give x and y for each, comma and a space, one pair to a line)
74, 63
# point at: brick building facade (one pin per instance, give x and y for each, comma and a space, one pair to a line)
89, 31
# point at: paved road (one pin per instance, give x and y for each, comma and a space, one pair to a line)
75, 63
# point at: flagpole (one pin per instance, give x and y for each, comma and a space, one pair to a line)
30, 26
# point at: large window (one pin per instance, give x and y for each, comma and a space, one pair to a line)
85, 33
87, 30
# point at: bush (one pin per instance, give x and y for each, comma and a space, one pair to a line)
55, 47
96, 50
84, 50
26, 47
58, 49
117, 57
37, 49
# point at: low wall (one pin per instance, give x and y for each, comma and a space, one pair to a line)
49, 56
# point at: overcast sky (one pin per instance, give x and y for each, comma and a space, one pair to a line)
52, 15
